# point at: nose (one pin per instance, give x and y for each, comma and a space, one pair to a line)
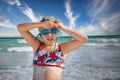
49, 34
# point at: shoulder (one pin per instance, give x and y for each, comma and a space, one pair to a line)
37, 45
61, 48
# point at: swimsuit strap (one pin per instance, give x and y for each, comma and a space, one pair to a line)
39, 47
59, 46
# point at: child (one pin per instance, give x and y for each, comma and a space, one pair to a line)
48, 56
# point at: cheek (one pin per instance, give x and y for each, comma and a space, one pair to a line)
45, 37
55, 36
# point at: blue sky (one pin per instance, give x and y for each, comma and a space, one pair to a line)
91, 17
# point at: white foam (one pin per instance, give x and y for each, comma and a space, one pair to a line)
21, 41
107, 40
20, 49
118, 45
103, 44
16, 74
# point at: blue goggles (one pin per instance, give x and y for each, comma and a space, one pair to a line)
52, 31
46, 32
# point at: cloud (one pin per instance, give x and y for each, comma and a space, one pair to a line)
90, 30
6, 34
24, 8
69, 15
7, 28
14, 2
111, 23
29, 13
6, 23
97, 8
105, 15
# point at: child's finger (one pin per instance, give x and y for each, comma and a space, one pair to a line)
57, 21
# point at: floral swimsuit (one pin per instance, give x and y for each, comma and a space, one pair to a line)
53, 58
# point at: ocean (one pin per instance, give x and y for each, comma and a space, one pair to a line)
98, 59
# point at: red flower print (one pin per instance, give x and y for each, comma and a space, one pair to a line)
53, 55
41, 59
59, 63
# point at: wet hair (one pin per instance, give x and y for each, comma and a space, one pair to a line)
46, 19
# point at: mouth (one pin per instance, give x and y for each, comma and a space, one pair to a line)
50, 39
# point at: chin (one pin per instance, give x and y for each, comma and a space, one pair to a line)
49, 43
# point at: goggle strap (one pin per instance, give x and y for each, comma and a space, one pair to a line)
57, 39
38, 35
55, 43
60, 33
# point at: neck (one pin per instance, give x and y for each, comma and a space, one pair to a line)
49, 46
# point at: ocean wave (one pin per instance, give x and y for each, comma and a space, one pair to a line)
21, 41
103, 44
20, 49
106, 40
16, 74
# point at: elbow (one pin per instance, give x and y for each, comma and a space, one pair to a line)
86, 38
83, 40
19, 27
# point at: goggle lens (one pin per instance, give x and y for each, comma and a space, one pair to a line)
52, 31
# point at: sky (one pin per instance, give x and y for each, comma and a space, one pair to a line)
91, 17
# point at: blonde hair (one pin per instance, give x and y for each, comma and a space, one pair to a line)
46, 19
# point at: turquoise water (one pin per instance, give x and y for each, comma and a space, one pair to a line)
13, 44
98, 59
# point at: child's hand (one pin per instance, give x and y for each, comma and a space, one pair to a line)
48, 24
59, 24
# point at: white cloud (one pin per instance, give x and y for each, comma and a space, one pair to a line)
24, 8
29, 13
97, 8
108, 22
90, 30
14, 2
111, 23
6, 35
69, 15
6, 23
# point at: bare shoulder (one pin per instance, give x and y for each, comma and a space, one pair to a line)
37, 44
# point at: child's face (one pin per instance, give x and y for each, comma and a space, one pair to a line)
49, 35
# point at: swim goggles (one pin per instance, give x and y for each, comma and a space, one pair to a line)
46, 32
52, 31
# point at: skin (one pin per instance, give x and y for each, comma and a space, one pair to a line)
52, 73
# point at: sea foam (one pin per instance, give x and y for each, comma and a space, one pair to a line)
20, 49
102, 44
21, 41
